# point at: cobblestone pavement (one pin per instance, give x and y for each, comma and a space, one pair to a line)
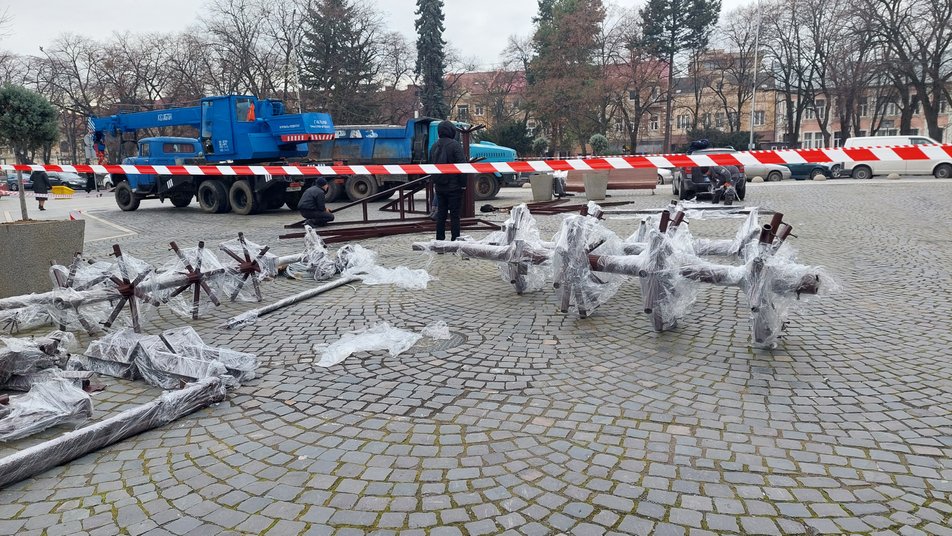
531, 422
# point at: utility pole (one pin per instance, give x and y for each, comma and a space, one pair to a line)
753, 95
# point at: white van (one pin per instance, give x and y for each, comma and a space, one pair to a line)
940, 167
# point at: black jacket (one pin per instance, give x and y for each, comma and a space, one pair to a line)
41, 182
313, 200
447, 150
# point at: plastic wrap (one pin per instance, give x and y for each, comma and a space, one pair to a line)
522, 233
25, 382
379, 337
578, 285
87, 298
360, 262
112, 355
173, 277
185, 341
171, 371
47, 404
13, 321
74, 444
245, 287
666, 294
316, 262
19, 357
436, 330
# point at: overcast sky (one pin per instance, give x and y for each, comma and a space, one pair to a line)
478, 28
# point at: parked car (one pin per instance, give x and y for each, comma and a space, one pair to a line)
12, 183
65, 178
770, 172
665, 176
107, 182
940, 168
812, 170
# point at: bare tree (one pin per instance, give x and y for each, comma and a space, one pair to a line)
644, 78
733, 80
786, 52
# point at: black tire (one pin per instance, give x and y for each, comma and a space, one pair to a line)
741, 191
674, 185
14, 186
862, 173
213, 197
181, 199
816, 173
361, 186
660, 180
126, 198
242, 198
942, 171
684, 194
335, 191
291, 199
774, 176
484, 187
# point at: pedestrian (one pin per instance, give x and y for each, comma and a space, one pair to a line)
41, 187
448, 187
313, 204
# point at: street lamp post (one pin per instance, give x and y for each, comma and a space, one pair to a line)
753, 94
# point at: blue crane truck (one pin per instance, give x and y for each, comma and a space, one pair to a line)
233, 130
402, 144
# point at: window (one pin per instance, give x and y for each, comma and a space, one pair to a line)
244, 109
820, 108
892, 108
808, 113
863, 107
684, 121
145, 149
921, 141
654, 122
731, 118
836, 141
479, 110
169, 148
632, 95
618, 127
708, 120
943, 106
913, 131
760, 118
862, 134
719, 119
462, 112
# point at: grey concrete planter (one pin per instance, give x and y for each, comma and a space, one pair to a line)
29, 247
541, 186
596, 185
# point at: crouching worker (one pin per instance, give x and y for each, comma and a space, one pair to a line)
313, 206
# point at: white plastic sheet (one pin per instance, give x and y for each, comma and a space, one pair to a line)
436, 330
360, 262
381, 336
47, 404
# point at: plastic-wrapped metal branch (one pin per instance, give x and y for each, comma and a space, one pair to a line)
315, 262
575, 282
522, 256
22, 357
253, 263
163, 410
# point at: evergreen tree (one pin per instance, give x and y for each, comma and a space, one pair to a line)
431, 58
340, 59
672, 27
27, 122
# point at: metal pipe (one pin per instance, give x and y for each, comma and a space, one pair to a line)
290, 300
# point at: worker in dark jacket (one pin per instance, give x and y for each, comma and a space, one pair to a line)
448, 188
313, 206
41, 187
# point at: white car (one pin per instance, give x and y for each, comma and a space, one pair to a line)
107, 182
940, 168
665, 176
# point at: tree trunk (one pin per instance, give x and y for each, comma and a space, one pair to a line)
667, 106
22, 191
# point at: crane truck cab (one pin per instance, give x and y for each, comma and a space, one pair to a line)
401, 144
237, 130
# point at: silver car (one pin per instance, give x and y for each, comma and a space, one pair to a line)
769, 172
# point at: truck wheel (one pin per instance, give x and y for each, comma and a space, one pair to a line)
862, 173
335, 191
125, 197
181, 199
213, 197
291, 199
361, 186
242, 198
274, 198
485, 185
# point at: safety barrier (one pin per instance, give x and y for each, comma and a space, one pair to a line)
783, 156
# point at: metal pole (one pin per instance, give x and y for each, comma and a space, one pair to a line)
753, 95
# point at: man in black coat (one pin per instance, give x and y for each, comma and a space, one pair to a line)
313, 205
41, 187
448, 188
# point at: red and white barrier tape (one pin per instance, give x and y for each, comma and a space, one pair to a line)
785, 156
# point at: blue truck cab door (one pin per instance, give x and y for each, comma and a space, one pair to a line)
217, 135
